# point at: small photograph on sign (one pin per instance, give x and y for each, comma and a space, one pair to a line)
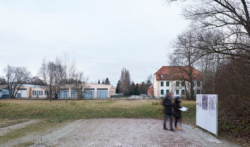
212, 103
204, 102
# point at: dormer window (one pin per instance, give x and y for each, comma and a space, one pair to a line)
171, 76
194, 75
161, 75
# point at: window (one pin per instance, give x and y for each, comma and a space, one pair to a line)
177, 84
177, 92
167, 91
198, 83
193, 83
171, 76
161, 75
198, 92
194, 75
183, 83
183, 92
162, 92
167, 83
161, 83
41, 92
35, 92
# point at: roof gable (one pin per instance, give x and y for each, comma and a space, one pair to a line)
178, 73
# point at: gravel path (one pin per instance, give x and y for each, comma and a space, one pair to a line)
127, 132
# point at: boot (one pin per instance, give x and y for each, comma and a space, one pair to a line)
176, 128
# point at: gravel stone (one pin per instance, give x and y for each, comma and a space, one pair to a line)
127, 133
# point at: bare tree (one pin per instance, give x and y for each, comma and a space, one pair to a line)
230, 18
2, 81
36, 81
185, 57
15, 77
149, 81
221, 34
48, 75
79, 84
70, 71
59, 76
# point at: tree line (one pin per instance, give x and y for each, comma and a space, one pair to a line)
52, 76
128, 87
217, 43
104, 81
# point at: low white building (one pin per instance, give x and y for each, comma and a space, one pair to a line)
171, 79
91, 91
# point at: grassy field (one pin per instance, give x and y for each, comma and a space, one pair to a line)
52, 115
56, 113
59, 111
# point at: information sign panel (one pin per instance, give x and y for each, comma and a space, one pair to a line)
207, 112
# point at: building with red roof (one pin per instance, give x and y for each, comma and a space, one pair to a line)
176, 79
151, 90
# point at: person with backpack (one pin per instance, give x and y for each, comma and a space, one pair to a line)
177, 111
168, 112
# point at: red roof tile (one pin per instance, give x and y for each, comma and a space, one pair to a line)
177, 73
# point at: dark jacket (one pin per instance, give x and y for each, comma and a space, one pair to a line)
167, 103
177, 111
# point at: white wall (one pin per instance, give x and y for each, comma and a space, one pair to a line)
23, 93
164, 87
172, 87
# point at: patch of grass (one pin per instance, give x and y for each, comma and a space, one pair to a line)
4, 122
72, 103
190, 115
25, 144
12, 123
60, 111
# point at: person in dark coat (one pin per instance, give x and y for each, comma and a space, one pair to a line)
168, 112
177, 111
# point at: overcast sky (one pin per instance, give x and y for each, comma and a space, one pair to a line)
102, 36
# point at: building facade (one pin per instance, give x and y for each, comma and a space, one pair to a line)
175, 79
91, 91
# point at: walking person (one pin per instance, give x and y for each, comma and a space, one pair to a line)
177, 111
168, 112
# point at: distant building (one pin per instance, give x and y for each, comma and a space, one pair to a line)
151, 90
100, 91
171, 79
4, 93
